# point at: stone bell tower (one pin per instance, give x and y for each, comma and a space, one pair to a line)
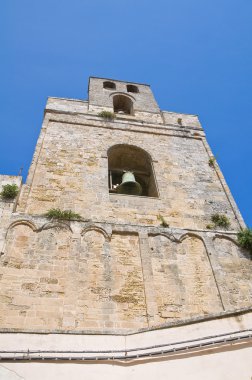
143, 274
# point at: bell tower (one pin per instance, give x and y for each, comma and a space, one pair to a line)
122, 246
121, 97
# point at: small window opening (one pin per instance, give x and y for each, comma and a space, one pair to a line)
132, 88
131, 172
109, 85
122, 105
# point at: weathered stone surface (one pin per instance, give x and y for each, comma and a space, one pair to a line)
118, 269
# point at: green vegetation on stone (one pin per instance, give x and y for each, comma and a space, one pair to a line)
220, 220
209, 226
107, 115
9, 191
245, 239
211, 161
55, 213
163, 222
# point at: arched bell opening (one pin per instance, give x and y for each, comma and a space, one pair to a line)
109, 85
122, 105
131, 171
132, 88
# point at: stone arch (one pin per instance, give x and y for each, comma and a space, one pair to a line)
93, 243
131, 158
168, 235
127, 95
166, 281
109, 85
26, 222
164, 237
97, 229
197, 277
41, 265
56, 225
228, 246
130, 146
92, 275
123, 104
191, 234
227, 237
132, 88
19, 244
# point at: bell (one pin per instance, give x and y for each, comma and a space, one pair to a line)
129, 185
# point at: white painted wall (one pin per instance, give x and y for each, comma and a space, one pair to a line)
225, 361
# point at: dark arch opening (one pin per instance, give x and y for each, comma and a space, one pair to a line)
128, 158
122, 105
109, 85
132, 88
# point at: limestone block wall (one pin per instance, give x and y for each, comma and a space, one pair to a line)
81, 276
118, 269
181, 119
67, 105
71, 172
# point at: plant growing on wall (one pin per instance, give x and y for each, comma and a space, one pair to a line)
180, 121
210, 226
245, 239
107, 115
10, 191
219, 220
212, 161
163, 222
56, 213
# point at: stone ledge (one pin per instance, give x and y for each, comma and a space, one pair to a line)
118, 332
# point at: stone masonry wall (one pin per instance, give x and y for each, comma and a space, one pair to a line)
72, 173
119, 269
80, 276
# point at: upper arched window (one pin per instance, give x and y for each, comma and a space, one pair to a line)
123, 104
131, 171
132, 88
109, 85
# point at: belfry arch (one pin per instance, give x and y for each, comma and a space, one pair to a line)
124, 158
123, 105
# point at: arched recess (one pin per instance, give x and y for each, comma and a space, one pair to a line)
54, 245
39, 262
30, 245
123, 104
57, 225
92, 276
11, 226
19, 244
97, 229
109, 85
168, 287
193, 235
168, 235
233, 272
25, 222
197, 277
132, 88
129, 158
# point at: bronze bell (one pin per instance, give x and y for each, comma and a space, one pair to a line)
129, 185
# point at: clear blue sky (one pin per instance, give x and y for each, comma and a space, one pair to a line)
196, 55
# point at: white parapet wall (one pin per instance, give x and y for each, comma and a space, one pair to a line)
219, 349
